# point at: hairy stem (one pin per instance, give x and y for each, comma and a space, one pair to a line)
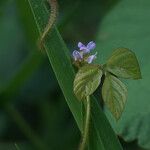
86, 125
51, 21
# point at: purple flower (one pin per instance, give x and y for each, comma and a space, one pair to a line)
80, 55
86, 49
77, 55
91, 58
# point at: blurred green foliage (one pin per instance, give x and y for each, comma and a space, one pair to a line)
27, 80
127, 26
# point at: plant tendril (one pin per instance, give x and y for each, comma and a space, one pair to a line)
86, 125
51, 21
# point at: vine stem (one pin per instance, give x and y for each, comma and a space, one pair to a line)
51, 21
86, 125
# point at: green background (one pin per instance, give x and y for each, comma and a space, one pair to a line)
27, 80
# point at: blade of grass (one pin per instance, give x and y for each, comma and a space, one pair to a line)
58, 54
25, 128
17, 147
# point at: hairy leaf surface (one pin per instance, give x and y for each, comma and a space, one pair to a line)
114, 94
123, 63
87, 80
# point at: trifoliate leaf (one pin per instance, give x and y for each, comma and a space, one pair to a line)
87, 80
123, 63
114, 94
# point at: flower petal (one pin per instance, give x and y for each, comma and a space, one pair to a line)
91, 58
85, 50
80, 45
77, 55
91, 45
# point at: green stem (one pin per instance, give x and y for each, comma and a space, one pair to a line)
17, 148
25, 128
86, 126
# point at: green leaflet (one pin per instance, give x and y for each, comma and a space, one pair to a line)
87, 80
123, 63
114, 94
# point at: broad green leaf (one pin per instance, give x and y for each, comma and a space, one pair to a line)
114, 94
60, 60
127, 25
123, 63
87, 80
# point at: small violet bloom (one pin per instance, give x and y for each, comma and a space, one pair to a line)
86, 49
77, 55
91, 58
